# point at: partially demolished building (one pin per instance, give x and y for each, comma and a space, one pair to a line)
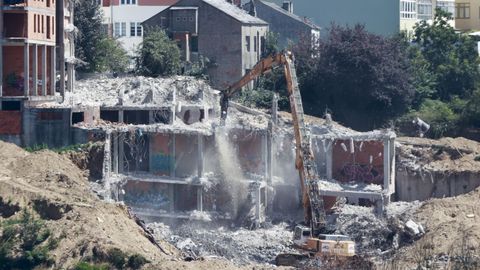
166, 154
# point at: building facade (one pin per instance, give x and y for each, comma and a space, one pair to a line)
282, 21
229, 37
36, 42
467, 15
414, 11
123, 18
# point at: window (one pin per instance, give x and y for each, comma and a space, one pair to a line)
447, 5
462, 11
116, 29
43, 25
408, 9
254, 44
139, 30
53, 25
194, 43
247, 42
128, 2
135, 29
34, 23
425, 10
124, 29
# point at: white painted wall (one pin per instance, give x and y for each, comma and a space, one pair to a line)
128, 14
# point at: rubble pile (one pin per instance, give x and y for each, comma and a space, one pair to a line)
140, 91
238, 245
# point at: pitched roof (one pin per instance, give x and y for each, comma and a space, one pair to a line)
234, 12
291, 15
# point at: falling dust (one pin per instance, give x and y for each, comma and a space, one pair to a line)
229, 165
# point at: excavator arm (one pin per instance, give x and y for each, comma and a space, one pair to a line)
264, 66
305, 162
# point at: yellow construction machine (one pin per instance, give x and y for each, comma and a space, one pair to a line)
309, 239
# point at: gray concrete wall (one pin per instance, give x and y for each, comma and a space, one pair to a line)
46, 126
379, 16
411, 186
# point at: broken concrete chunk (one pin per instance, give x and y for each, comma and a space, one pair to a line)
414, 228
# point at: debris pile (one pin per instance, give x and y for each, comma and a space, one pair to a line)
239, 245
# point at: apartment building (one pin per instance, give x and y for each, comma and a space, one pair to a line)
467, 15
123, 18
36, 41
228, 36
413, 11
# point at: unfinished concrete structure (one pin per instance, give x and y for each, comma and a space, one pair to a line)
230, 38
34, 44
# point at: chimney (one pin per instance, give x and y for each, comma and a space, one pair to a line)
235, 2
252, 10
288, 6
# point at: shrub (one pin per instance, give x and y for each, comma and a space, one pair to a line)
87, 266
117, 257
136, 261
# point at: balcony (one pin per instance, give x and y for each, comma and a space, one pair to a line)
16, 25
15, 3
21, 4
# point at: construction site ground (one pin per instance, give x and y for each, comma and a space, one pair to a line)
60, 193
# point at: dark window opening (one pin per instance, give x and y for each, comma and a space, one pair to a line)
186, 116
202, 115
185, 197
162, 116
136, 117
11, 105
194, 42
111, 116
77, 117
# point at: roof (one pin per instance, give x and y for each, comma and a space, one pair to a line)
289, 14
234, 12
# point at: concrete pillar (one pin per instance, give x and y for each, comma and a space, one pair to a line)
265, 155
115, 153
35, 69
171, 119
120, 116
200, 155
173, 164
44, 70
329, 158
200, 198
392, 166
53, 72
171, 195
26, 69
121, 152
269, 167
151, 119
106, 156
386, 164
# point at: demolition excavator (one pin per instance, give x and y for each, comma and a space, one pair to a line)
308, 238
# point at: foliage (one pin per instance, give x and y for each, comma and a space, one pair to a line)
199, 68
363, 78
271, 44
136, 261
23, 243
452, 58
117, 257
111, 56
158, 55
471, 112
88, 266
88, 20
69, 148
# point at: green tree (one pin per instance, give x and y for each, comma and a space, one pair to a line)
158, 55
452, 58
88, 20
111, 56
362, 77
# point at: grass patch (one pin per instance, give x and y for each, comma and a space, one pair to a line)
68, 148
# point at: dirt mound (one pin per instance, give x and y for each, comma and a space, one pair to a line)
444, 155
452, 230
58, 192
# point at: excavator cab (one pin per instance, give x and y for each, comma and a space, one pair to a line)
324, 244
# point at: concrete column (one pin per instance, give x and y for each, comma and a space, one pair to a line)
171, 119
120, 116
329, 158
173, 164
44, 70
121, 152
35, 69
200, 155
171, 195
115, 153
265, 155
53, 72
26, 69
392, 166
386, 164
106, 156
269, 166
151, 119
200, 198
